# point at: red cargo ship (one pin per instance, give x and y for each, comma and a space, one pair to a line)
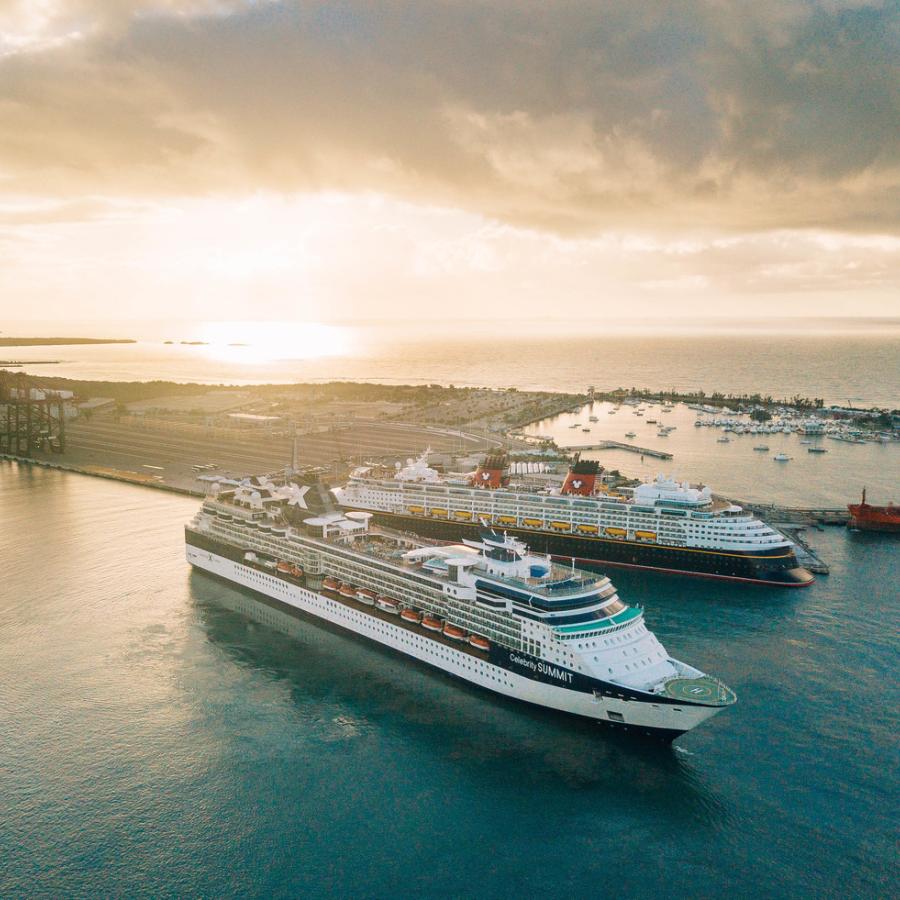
874, 518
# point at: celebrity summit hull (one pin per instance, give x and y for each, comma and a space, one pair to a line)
487, 611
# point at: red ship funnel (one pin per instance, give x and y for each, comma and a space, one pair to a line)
492, 473
581, 478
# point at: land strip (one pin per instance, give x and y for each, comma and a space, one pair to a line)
59, 341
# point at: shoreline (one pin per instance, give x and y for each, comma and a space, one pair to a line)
99, 472
60, 341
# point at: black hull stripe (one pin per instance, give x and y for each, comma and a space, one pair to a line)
665, 735
781, 571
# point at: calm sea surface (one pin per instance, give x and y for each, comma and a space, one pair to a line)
156, 743
855, 361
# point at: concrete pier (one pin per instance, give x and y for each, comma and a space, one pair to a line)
618, 445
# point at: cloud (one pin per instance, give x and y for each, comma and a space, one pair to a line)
573, 117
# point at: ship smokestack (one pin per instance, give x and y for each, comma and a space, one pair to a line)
581, 477
493, 472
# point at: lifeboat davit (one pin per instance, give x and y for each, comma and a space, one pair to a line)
347, 590
479, 642
330, 583
410, 615
453, 632
387, 604
431, 623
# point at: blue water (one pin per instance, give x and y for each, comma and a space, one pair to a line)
156, 743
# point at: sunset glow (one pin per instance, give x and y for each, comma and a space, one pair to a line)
321, 161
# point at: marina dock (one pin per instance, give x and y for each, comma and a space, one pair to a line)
798, 515
619, 445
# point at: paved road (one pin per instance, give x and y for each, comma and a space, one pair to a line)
170, 452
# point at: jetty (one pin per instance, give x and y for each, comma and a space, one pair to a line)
798, 515
618, 445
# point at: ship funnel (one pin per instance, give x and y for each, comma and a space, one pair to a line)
493, 472
582, 477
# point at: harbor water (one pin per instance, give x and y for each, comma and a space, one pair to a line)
164, 735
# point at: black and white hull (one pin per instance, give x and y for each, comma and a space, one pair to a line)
508, 672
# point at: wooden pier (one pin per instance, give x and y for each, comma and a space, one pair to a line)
618, 445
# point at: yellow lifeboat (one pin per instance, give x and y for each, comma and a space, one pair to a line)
587, 529
439, 513
462, 514
561, 526
533, 523
616, 532
506, 520
416, 510
646, 535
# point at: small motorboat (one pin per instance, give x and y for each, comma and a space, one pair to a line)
723, 440
816, 450
781, 457
453, 632
805, 441
432, 623
479, 642
762, 447
411, 615
630, 434
585, 429
387, 604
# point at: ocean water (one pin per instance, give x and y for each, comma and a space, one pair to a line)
819, 480
154, 742
847, 361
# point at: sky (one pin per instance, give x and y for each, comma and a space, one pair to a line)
424, 161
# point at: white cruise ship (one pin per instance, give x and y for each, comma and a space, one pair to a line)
484, 610
662, 525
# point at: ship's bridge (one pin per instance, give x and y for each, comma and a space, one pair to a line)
668, 492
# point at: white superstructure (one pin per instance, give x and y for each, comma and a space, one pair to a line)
487, 611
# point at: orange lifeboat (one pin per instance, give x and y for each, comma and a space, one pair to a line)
410, 615
431, 623
453, 632
479, 642
330, 583
347, 590
387, 604
365, 594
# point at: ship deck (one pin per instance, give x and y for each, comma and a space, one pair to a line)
704, 689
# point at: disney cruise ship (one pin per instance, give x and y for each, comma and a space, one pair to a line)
662, 525
485, 610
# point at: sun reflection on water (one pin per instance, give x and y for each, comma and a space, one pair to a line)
257, 343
